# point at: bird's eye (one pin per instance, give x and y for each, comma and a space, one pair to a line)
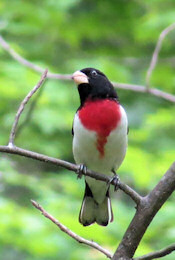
94, 73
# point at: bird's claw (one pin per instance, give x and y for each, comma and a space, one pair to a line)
82, 170
115, 180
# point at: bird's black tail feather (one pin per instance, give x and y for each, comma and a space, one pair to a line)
91, 211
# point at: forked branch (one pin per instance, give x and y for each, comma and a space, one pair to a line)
147, 209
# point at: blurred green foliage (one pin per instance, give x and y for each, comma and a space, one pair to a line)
117, 37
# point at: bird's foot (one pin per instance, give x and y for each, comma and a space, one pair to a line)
115, 180
82, 170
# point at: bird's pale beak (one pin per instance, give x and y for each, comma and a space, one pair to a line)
79, 77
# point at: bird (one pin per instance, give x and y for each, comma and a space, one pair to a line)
100, 129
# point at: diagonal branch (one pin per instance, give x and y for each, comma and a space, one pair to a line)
147, 209
71, 233
71, 167
133, 87
21, 108
166, 251
30, 111
156, 52
29, 64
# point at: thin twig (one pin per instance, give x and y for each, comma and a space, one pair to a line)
29, 64
140, 88
166, 251
155, 55
21, 107
71, 233
71, 167
133, 87
30, 111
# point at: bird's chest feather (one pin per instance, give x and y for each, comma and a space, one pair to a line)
100, 135
101, 117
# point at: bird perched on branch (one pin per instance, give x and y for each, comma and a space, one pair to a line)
99, 141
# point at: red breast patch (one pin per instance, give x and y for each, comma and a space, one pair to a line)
101, 116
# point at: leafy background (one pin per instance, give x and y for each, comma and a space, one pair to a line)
117, 37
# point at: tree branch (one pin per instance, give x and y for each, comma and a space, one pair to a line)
133, 87
155, 55
146, 211
71, 233
71, 167
166, 251
140, 88
21, 108
29, 64
30, 111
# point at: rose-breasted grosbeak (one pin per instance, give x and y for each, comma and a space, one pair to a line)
99, 140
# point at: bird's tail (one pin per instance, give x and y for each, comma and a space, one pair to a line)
91, 211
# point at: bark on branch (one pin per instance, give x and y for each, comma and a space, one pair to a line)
71, 167
145, 212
